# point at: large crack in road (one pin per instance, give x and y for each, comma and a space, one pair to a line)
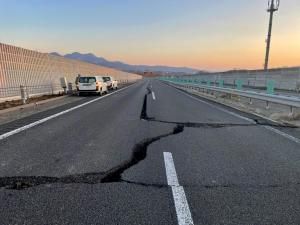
113, 175
139, 153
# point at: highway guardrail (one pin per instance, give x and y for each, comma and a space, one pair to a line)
292, 102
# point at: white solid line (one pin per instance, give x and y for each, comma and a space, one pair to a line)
291, 138
216, 107
153, 95
18, 130
184, 216
170, 170
183, 212
223, 110
297, 140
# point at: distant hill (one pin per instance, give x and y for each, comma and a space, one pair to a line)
56, 54
91, 58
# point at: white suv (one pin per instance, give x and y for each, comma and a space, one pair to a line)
111, 83
91, 84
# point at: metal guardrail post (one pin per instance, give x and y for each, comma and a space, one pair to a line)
291, 111
298, 86
23, 94
63, 83
250, 101
267, 105
70, 88
52, 89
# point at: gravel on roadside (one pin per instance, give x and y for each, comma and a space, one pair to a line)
275, 112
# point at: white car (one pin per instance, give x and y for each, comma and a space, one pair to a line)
111, 82
91, 84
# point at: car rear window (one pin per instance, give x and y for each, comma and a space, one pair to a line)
87, 79
106, 78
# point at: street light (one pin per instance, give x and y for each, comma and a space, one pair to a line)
273, 6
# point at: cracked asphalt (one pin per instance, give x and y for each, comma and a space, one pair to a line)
103, 163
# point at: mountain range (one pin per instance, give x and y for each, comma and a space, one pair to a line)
91, 58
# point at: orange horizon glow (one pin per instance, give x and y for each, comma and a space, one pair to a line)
206, 35
281, 55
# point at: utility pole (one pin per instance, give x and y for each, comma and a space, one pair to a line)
273, 6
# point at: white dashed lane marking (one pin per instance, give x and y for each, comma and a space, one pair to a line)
183, 212
153, 96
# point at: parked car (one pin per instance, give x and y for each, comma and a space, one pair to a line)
91, 84
111, 82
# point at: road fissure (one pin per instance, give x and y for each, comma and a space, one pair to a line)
256, 122
139, 154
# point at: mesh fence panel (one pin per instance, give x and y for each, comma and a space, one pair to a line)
40, 73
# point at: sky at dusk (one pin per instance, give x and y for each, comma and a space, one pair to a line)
203, 34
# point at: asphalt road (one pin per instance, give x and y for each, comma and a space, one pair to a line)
148, 154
